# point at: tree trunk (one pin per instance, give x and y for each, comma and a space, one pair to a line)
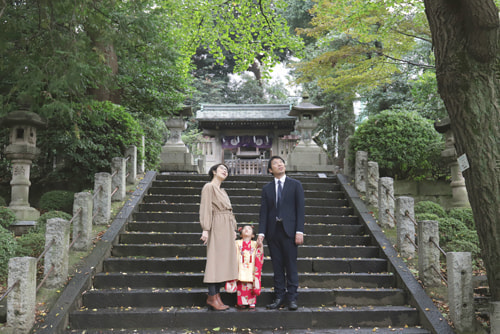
465, 34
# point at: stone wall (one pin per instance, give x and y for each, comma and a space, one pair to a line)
435, 191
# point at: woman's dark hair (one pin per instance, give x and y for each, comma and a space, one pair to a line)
269, 164
213, 169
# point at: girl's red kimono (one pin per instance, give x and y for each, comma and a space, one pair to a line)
248, 285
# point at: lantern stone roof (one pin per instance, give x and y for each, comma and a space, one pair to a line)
218, 116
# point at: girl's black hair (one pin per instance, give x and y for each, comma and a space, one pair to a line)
214, 168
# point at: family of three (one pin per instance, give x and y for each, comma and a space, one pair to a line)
237, 264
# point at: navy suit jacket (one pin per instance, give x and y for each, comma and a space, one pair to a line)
292, 208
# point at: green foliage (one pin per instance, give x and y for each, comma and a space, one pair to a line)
57, 200
86, 145
8, 248
426, 216
31, 244
7, 217
360, 44
42, 221
455, 236
429, 207
154, 137
464, 215
404, 144
2, 201
456, 228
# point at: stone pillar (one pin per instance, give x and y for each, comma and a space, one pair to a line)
102, 198
359, 171
460, 290
494, 317
348, 170
428, 253
404, 213
371, 180
82, 224
21, 301
131, 153
386, 202
118, 170
58, 254
142, 166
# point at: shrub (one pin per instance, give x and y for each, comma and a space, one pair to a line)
86, 142
464, 215
430, 207
2, 201
31, 244
42, 221
57, 200
404, 144
8, 248
7, 217
426, 216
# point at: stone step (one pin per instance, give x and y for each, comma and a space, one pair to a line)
256, 193
186, 264
228, 184
240, 208
193, 238
198, 250
240, 217
247, 178
234, 330
197, 318
175, 199
136, 280
194, 227
192, 297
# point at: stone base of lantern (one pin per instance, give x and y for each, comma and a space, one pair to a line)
177, 158
25, 212
308, 159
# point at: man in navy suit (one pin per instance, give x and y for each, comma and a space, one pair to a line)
281, 222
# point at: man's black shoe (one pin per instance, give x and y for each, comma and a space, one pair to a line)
277, 303
292, 306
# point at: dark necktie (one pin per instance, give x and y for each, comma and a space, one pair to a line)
280, 188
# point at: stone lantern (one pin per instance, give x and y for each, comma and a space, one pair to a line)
449, 154
175, 156
22, 151
307, 156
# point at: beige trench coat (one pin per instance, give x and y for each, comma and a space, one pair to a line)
216, 217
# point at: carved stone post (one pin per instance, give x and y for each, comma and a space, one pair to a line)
386, 202
360, 171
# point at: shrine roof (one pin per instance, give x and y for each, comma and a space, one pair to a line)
247, 112
245, 116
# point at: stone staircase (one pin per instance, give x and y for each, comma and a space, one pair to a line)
152, 282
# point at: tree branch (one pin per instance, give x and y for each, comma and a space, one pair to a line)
408, 62
265, 17
4, 7
414, 36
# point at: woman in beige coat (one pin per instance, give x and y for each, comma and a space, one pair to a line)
219, 232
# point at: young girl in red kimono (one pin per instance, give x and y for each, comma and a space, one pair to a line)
250, 260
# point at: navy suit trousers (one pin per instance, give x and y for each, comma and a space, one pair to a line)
284, 258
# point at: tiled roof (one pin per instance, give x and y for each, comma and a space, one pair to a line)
225, 112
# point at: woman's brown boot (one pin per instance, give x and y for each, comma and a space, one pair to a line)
214, 304
220, 302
